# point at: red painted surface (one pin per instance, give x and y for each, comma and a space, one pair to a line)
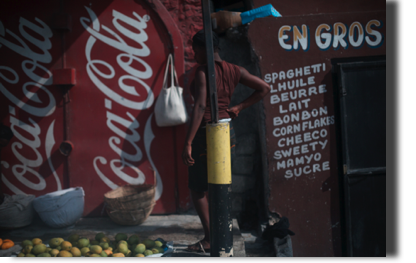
65, 76
306, 189
29, 102
119, 50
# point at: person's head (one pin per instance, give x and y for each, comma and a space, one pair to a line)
198, 45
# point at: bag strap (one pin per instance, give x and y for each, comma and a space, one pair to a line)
172, 72
166, 71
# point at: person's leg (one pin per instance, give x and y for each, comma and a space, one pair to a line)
200, 201
198, 184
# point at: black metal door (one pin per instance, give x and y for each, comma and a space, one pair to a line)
363, 123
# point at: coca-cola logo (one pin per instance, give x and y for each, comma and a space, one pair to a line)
101, 72
38, 101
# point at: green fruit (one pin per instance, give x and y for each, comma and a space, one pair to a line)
83, 242
64, 253
140, 255
54, 242
149, 243
120, 236
61, 239
104, 245
75, 252
155, 250
59, 248
128, 254
148, 252
73, 238
21, 255
122, 242
133, 240
95, 255
45, 254
139, 249
84, 251
103, 254
123, 248
99, 236
27, 243
161, 250
54, 252
38, 249
158, 244
105, 240
30, 255
94, 242
96, 249
36, 241
27, 249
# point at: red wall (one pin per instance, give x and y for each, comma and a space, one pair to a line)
94, 113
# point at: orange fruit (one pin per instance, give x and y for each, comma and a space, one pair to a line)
66, 245
7, 243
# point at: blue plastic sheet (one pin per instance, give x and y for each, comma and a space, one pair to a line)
263, 11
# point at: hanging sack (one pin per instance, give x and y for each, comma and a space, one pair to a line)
170, 107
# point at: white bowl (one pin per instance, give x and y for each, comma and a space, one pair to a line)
61, 208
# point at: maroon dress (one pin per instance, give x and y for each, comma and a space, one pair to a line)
227, 76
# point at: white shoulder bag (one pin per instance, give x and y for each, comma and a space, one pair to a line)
170, 106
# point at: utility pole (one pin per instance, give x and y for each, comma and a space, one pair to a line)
219, 159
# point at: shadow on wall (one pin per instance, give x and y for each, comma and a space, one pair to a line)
334, 181
248, 197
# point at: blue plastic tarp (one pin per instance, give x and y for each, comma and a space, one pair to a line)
263, 11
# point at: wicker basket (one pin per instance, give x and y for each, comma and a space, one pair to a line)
130, 217
130, 197
130, 204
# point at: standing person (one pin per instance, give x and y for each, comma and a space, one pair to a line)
194, 154
6, 135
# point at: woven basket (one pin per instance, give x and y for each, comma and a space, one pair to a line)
130, 197
130, 217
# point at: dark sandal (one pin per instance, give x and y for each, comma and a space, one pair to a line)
197, 247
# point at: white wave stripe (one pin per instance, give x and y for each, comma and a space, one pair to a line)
148, 138
49, 143
107, 181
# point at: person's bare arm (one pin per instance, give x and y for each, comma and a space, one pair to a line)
197, 114
261, 89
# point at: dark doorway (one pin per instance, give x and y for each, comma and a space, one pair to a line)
362, 126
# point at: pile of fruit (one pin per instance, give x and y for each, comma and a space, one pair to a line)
102, 246
6, 244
